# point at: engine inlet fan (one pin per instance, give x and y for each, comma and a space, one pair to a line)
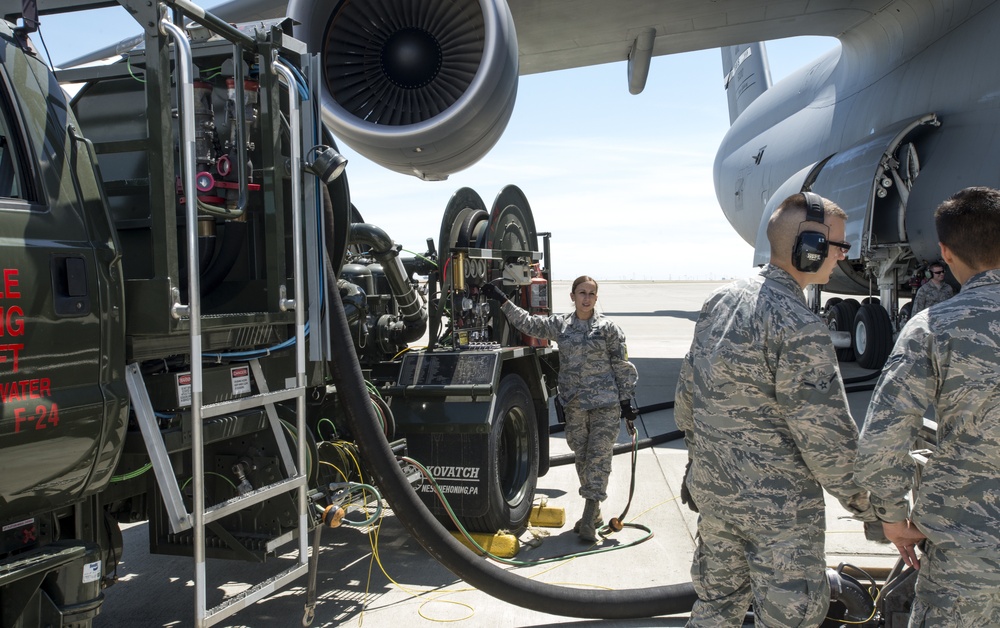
402, 64
423, 88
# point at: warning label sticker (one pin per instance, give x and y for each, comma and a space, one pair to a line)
184, 389
240, 376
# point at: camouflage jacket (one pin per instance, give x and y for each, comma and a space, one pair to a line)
946, 358
763, 408
929, 295
594, 369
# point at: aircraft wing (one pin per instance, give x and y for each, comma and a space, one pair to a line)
563, 34
427, 88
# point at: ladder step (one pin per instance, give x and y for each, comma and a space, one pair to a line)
257, 592
255, 496
253, 401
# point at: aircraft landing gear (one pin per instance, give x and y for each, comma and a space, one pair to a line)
871, 338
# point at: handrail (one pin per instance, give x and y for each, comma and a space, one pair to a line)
299, 302
218, 25
185, 91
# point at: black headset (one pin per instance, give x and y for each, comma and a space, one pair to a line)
811, 247
928, 273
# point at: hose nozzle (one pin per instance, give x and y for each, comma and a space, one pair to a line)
332, 516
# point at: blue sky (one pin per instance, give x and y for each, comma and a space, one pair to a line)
623, 182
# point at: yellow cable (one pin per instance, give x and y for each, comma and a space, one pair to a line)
330, 464
373, 533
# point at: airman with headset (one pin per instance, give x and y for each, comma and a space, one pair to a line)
934, 291
767, 426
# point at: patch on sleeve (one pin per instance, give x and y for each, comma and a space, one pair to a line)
820, 380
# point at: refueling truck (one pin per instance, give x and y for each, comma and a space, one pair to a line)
176, 237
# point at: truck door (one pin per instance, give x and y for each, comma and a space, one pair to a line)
63, 403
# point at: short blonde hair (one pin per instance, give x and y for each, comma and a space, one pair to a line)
783, 226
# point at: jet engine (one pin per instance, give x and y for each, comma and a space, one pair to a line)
422, 88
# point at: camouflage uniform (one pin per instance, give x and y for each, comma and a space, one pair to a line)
929, 295
594, 377
946, 358
766, 421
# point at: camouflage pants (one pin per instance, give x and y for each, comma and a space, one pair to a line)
956, 589
591, 434
782, 571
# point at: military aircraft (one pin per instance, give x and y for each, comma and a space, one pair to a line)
888, 124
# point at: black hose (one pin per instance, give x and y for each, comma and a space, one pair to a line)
645, 443
846, 590
621, 448
655, 407
414, 516
234, 234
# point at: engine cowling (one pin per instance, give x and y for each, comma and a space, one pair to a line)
422, 88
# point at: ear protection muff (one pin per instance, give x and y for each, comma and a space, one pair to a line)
811, 247
928, 273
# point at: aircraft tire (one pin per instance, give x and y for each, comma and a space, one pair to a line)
830, 303
904, 315
841, 318
513, 464
871, 338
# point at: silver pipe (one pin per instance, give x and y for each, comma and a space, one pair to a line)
185, 94
411, 306
294, 121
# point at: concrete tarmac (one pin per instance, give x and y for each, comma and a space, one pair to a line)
380, 576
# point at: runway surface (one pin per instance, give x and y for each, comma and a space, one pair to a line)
381, 577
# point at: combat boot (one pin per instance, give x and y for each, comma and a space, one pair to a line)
598, 521
588, 529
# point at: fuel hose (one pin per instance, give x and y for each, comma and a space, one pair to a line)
438, 542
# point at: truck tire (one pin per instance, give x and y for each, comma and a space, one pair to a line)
841, 318
513, 464
871, 337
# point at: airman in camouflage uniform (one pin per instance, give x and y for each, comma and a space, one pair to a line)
596, 385
946, 358
767, 425
934, 291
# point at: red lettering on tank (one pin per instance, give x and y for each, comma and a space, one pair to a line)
10, 284
44, 417
9, 353
11, 321
25, 389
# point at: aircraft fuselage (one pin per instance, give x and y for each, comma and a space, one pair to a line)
891, 69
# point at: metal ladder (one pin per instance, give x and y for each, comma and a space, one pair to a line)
179, 518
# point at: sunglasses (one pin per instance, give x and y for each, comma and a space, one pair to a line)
843, 245
937, 272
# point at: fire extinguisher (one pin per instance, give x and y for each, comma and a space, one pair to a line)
538, 302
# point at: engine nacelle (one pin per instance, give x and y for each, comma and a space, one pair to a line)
422, 88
